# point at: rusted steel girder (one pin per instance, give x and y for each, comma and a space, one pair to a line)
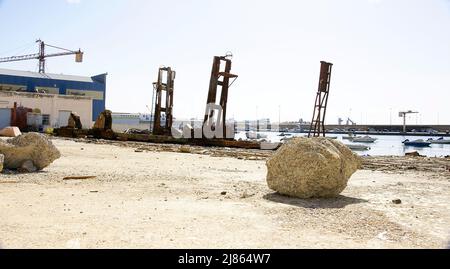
164, 88
317, 127
216, 114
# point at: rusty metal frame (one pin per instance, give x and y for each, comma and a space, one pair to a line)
215, 83
317, 127
164, 87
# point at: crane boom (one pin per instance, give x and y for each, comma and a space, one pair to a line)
41, 55
19, 58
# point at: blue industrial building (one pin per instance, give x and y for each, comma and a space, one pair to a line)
24, 81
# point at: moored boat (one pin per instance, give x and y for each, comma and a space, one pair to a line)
349, 137
255, 135
364, 139
417, 143
284, 134
440, 140
358, 147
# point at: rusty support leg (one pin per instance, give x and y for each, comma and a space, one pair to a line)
317, 127
215, 83
164, 89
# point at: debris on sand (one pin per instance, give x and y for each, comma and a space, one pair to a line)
79, 177
29, 152
413, 154
246, 195
185, 149
311, 168
392, 164
397, 201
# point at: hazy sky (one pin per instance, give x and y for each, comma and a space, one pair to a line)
388, 55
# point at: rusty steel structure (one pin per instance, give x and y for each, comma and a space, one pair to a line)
317, 127
215, 114
163, 89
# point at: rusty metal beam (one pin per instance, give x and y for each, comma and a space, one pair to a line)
164, 86
317, 127
212, 116
158, 139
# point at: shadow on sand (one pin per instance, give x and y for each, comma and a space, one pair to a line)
338, 202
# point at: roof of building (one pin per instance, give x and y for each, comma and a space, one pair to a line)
19, 73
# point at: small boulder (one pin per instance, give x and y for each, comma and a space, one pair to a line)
413, 154
10, 132
27, 167
185, 149
28, 152
311, 168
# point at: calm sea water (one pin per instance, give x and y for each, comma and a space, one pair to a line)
386, 145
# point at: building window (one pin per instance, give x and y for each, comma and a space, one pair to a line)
13, 88
47, 90
45, 119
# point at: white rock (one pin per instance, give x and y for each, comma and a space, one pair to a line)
10, 132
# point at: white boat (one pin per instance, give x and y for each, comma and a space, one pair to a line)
439, 141
358, 147
255, 135
349, 137
364, 139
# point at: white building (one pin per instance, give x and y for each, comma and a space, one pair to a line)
55, 108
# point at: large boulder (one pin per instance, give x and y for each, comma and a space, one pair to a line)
311, 168
28, 152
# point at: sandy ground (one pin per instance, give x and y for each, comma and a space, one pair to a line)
157, 199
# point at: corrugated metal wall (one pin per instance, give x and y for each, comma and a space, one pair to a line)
5, 117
